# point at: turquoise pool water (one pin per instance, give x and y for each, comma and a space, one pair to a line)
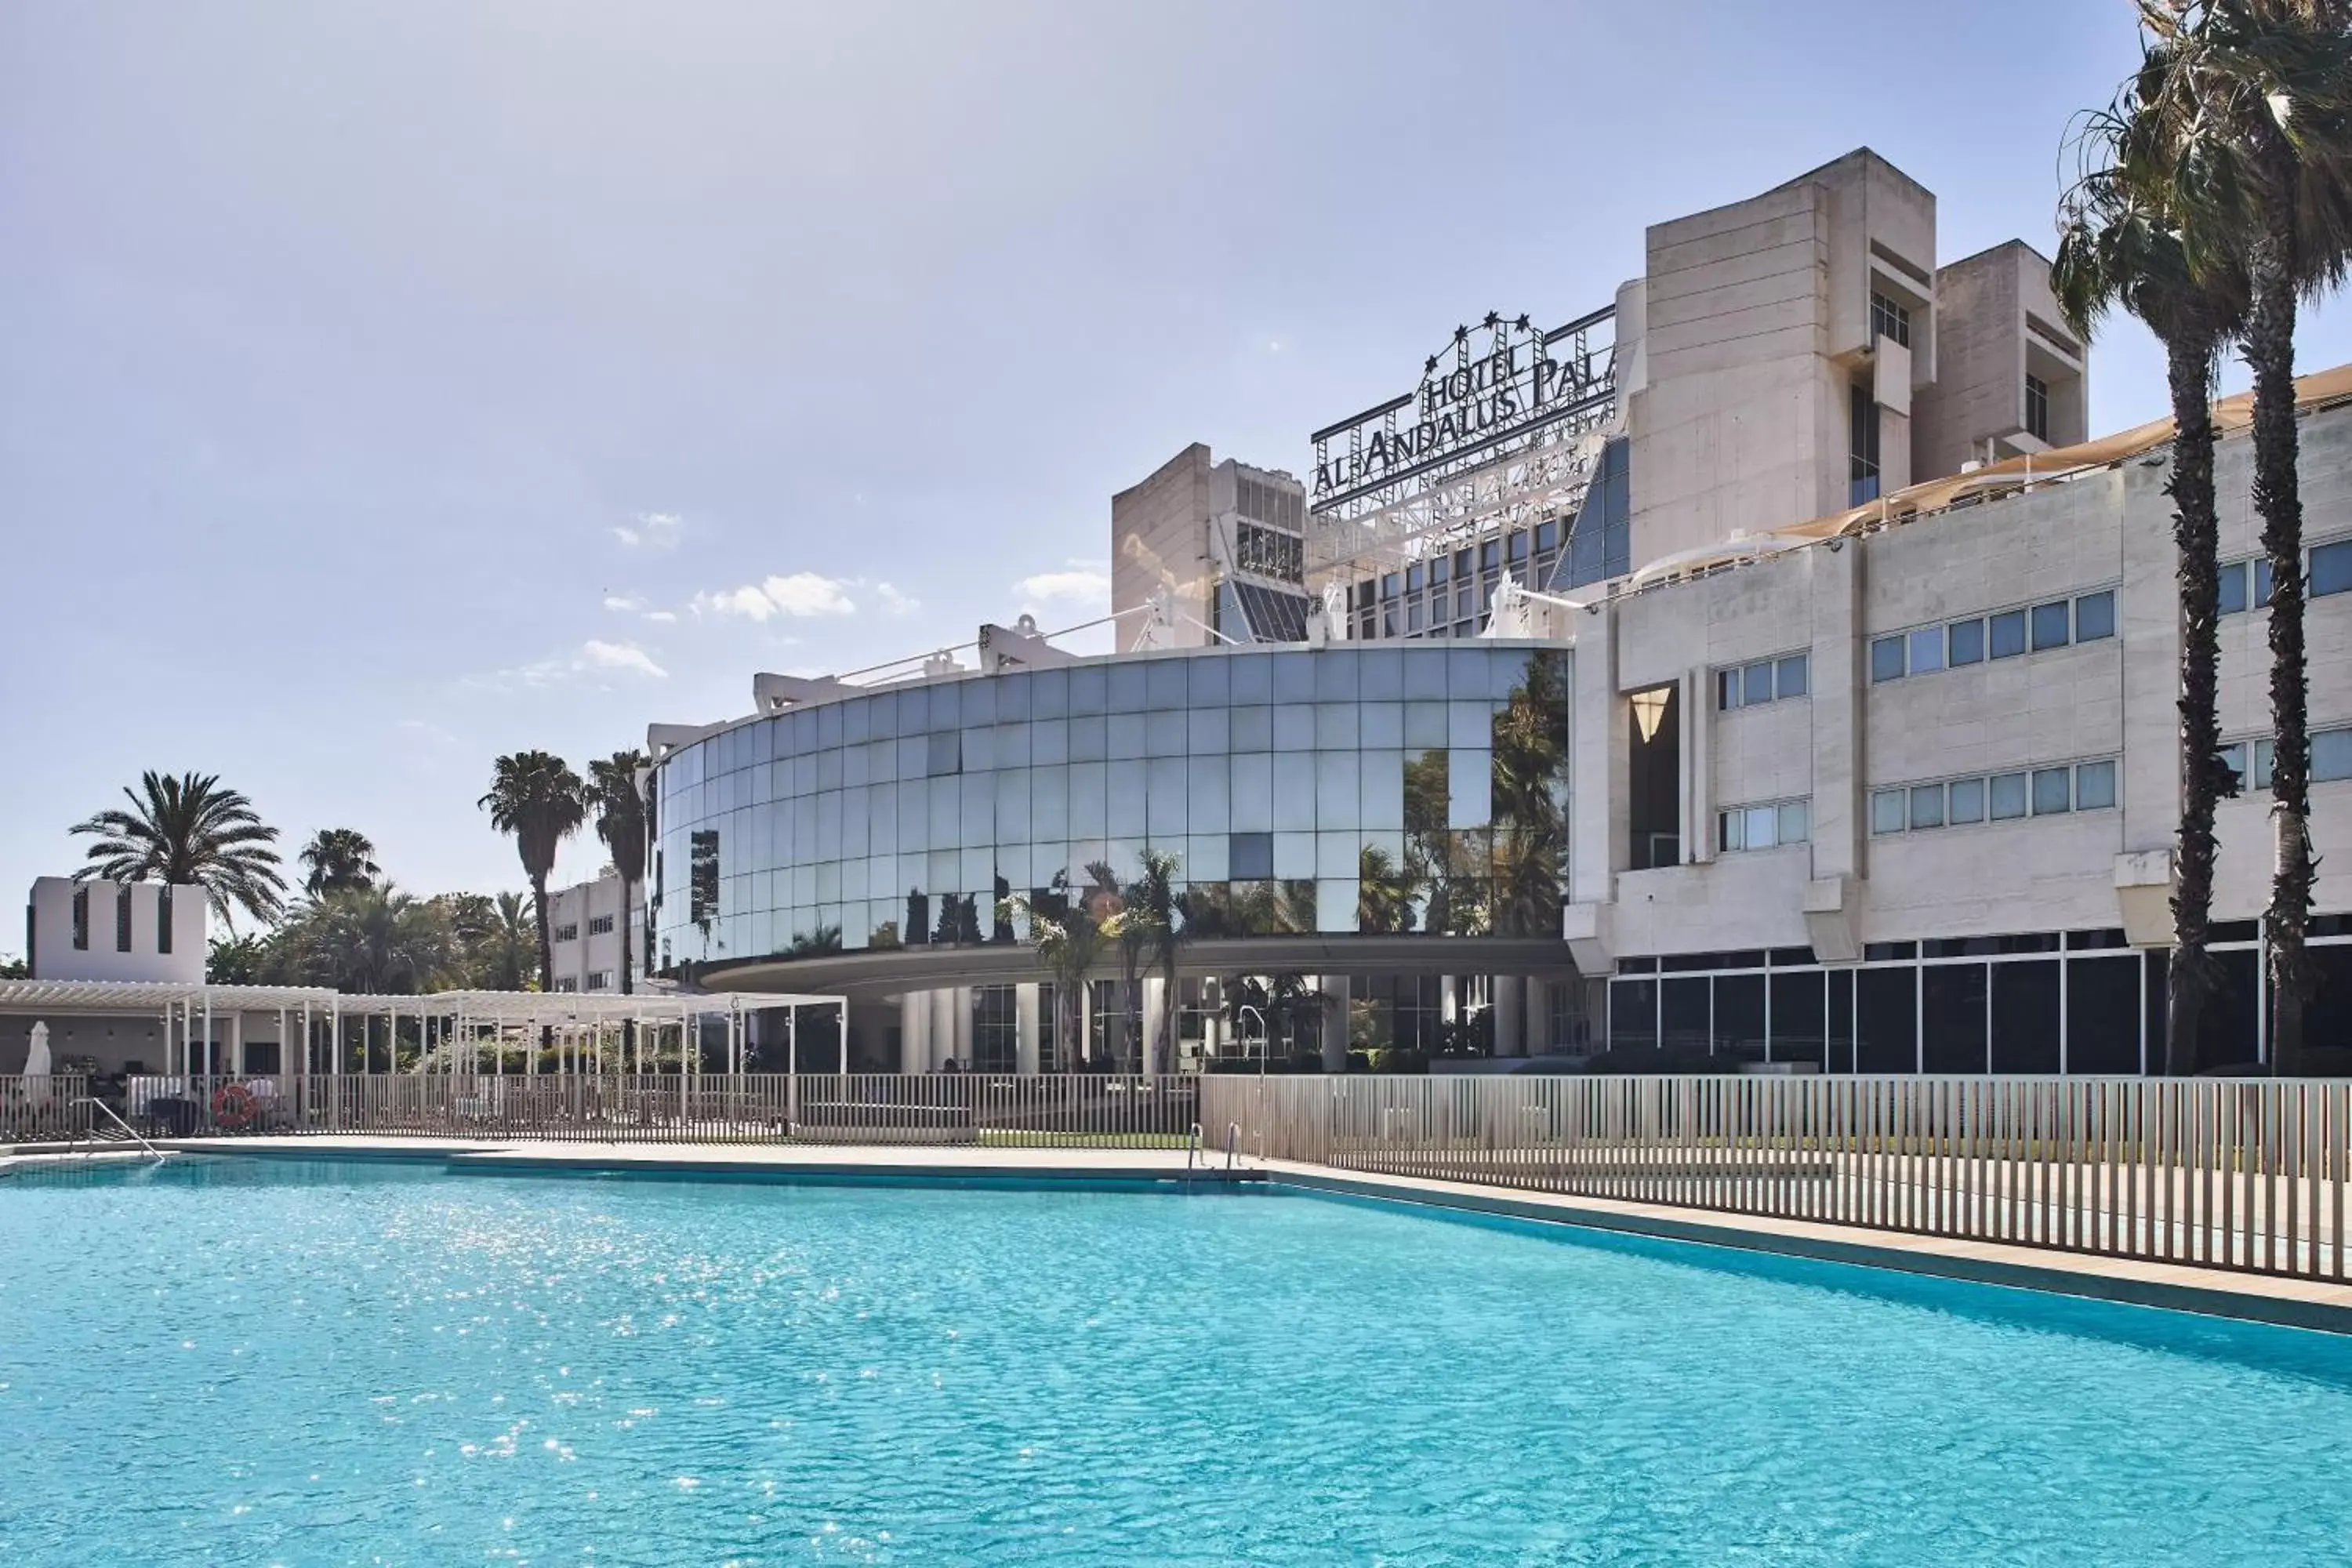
266, 1362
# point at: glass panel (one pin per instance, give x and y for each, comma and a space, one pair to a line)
2331, 569
2094, 617
1088, 738
1383, 789
1335, 726
1294, 791
1730, 830
2331, 755
1763, 826
1382, 724
1966, 642
1887, 809
2006, 632
1756, 684
2008, 796
1795, 672
2094, 786
2053, 790
1294, 677
1726, 689
1887, 659
1124, 737
1253, 793
2050, 626
1927, 650
1253, 677
1206, 783
1967, 801
1294, 853
1795, 826
1928, 805
2233, 587
1469, 793
1250, 856
1424, 725
1253, 729
2265, 755
1337, 784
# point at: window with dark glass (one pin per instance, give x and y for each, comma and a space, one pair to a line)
1863, 445
81, 918
2050, 626
2037, 408
2006, 632
122, 917
1889, 319
2331, 569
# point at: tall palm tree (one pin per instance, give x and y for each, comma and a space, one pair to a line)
2119, 247
537, 797
1385, 890
189, 830
373, 940
621, 824
341, 860
1152, 905
1069, 942
2248, 106
1530, 775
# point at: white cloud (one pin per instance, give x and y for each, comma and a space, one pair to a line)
651, 531
894, 601
663, 616
628, 602
800, 594
1079, 582
599, 655
593, 656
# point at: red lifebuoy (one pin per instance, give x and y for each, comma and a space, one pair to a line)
233, 1106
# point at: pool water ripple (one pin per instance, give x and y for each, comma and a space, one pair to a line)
251, 1362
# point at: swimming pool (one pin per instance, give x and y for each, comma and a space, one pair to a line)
277, 1362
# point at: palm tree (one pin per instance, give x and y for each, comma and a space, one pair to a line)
621, 824
1531, 770
1385, 890
373, 940
189, 830
2247, 106
2118, 248
340, 858
1151, 906
1069, 940
537, 797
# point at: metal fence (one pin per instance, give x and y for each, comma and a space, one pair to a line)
1076, 1109
2247, 1175
48, 1108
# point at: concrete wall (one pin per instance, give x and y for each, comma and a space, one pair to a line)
1997, 319
1160, 537
589, 954
49, 925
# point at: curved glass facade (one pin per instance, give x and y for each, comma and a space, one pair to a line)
1413, 788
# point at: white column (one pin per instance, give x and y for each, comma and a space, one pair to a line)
915, 1032
237, 1044
1539, 1016
1334, 1023
1025, 1010
962, 1006
1156, 1002
1510, 1029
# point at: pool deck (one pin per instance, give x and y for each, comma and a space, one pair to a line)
2229, 1293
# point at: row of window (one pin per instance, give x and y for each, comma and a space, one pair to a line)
600, 925
2331, 758
1763, 826
2006, 635
2039, 791
1767, 681
567, 932
600, 980
1269, 553
122, 918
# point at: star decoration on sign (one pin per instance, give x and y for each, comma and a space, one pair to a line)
1492, 318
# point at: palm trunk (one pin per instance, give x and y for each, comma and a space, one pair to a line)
2189, 364
546, 945
2270, 350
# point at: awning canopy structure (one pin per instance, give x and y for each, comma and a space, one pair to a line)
478, 1006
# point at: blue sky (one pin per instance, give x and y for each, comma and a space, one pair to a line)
387, 387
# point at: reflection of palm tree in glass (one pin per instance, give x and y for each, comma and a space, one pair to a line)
1069, 940
1385, 890
1529, 773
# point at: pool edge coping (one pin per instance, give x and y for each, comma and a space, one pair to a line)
2205, 1292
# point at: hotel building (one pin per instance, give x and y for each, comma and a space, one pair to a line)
1762, 665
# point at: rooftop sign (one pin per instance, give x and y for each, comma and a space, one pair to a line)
1497, 388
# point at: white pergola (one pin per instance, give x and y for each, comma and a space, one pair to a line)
459, 1032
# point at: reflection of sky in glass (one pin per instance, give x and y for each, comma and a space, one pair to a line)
1282, 781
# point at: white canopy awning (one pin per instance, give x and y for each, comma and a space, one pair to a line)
482, 1007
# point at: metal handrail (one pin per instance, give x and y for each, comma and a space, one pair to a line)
117, 1119
1192, 1146
1232, 1143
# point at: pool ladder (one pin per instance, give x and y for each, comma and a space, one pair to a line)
112, 1116
1233, 1145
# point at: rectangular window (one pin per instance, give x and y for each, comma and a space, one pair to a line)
1795, 824
2037, 408
1967, 801
1249, 857
1863, 446
2331, 755
2094, 786
1763, 829
1730, 830
2008, 796
81, 918
2262, 583
2233, 587
163, 918
1795, 673
2006, 632
1968, 643
2331, 569
2265, 756
2235, 759
122, 917
1726, 689
1889, 319
600, 925
2094, 617
1887, 659
1756, 683
1888, 809
2053, 791
2050, 626
1928, 805
1927, 650
568, 932
566, 983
